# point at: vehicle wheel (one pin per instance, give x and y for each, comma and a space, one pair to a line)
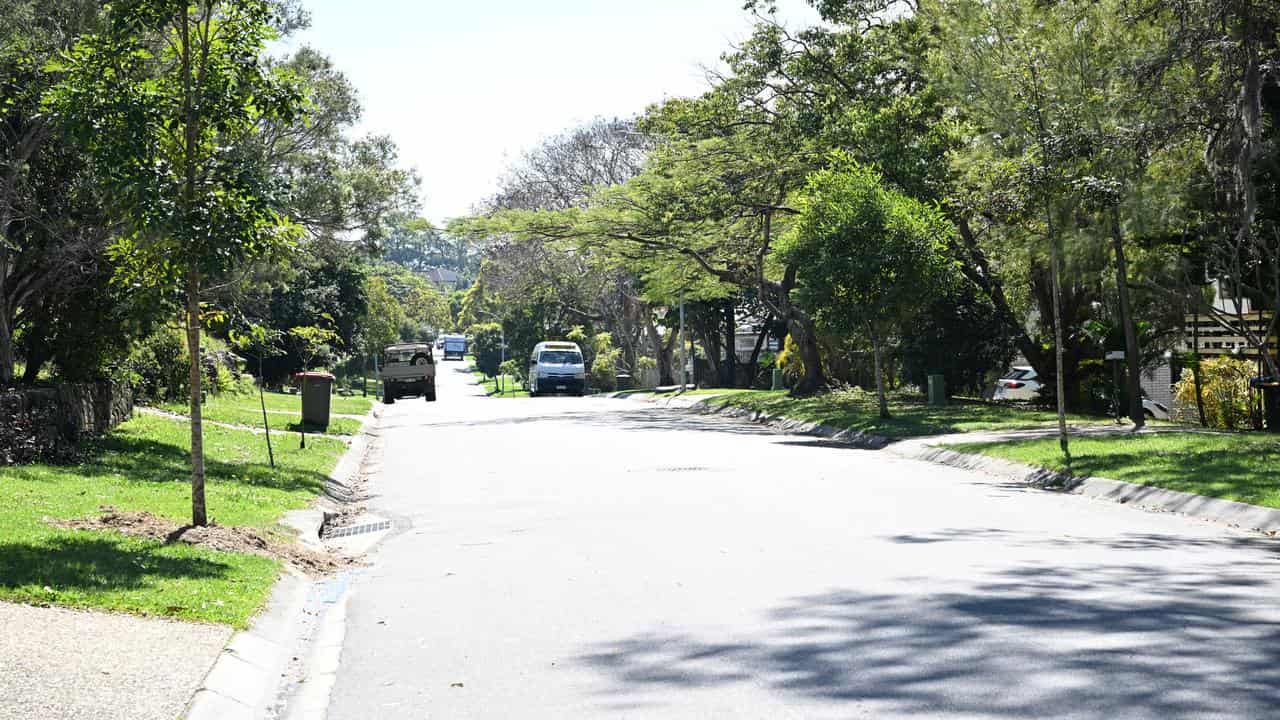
389, 398
430, 395
1150, 415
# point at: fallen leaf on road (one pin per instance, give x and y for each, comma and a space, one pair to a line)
455, 685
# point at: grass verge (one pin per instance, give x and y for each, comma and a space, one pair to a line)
1230, 466
143, 467
509, 385
284, 411
910, 418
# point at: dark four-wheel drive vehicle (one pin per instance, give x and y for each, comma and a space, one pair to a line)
407, 370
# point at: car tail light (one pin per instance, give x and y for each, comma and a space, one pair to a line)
1014, 385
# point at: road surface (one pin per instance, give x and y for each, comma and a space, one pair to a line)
567, 558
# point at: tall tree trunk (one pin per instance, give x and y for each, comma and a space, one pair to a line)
1195, 367
661, 351
199, 516
35, 355
881, 397
1055, 263
973, 264
1133, 360
729, 370
262, 399
805, 336
753, 366
710, 337
6, 346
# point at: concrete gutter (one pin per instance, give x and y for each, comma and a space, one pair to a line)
247, 679
934, 449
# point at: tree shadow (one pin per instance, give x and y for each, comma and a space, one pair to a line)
1127, 542
144, 460
1088, 641
97, 562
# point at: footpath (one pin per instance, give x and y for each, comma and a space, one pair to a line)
936, 449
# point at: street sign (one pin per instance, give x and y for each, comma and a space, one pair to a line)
1115, 355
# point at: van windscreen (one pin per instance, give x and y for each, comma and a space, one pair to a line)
560, 357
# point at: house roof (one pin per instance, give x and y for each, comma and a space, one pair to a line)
442, 276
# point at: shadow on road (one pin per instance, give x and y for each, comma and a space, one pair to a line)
627, 421
1089, 641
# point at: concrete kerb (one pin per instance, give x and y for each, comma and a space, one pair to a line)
248, 676
934, 450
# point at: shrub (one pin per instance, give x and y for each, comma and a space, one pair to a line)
515, 369
1224, 388
851, 395
157, 367
604, 366
790, 361
486, 345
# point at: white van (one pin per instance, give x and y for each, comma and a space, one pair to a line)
453, 346
557, 367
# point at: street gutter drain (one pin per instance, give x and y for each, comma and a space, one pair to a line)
357, 530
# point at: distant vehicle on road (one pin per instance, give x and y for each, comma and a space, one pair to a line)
557, 367
1020, 383
453, 347
408, 369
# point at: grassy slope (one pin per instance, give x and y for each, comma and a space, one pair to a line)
910, 419
490, 385
246, 410
1238, 467
143, 466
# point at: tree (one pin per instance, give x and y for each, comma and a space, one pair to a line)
870, 257
51, 222
383, 317
486, 346
165, 98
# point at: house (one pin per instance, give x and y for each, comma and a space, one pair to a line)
1204, 332
446, 281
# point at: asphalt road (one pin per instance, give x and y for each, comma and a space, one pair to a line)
576, 558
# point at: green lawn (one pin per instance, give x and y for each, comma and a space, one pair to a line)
246, 410
911, 418
509, 383
1231, 466
143, 466
512, 386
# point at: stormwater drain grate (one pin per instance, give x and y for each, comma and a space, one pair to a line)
357, 530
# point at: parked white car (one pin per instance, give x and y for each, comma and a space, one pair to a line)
1155, 410
1020, 383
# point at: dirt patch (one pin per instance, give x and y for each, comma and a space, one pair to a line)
215, 537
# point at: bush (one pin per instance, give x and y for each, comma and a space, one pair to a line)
1224, 388
515, 369
790, 361
851, 395
486, 345
604, 366
157, 369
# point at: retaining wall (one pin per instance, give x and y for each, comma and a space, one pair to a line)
50, 423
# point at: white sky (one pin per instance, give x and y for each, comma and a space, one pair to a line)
464, 87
